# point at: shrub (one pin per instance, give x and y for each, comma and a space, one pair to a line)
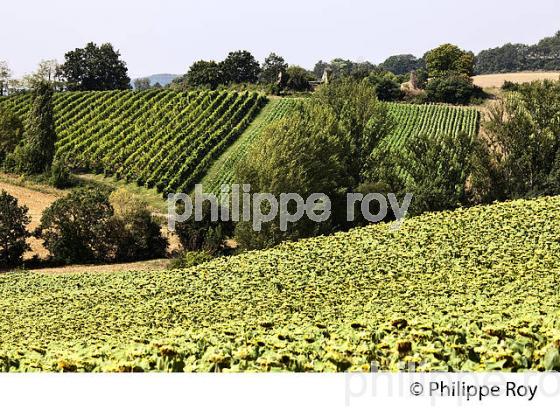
79, 228
205, 235
60, 175
453, 89
13, 234
137, 235
190, 259
436, 170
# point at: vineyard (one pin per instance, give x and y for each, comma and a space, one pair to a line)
162, 139
411, 120
222, 171
469, 290
173, 140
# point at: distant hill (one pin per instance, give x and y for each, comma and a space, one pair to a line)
163, 79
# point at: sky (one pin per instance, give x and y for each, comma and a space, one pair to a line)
167, 36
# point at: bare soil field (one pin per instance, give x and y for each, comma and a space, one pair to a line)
37, 202
497, 80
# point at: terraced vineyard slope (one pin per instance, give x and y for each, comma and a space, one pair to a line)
473, 289
163, 139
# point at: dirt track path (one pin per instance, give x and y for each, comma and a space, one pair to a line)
37, 202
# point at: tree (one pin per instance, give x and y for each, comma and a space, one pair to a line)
272, 67
525, 131
453, 89
434, 169
240, 67
5, 75
401, 64
137, 235
449, 59
13, 234
320, 68
77, 228
298, 79
36, 154
302, 153
364, 121
204, 74
11, 132
142, 84
94, 68
47, 71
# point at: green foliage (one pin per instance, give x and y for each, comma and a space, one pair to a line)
157, 138
469, 290
36, 154
11, 132
89, 226
78, 228
434, 170
363, 120
137, 235
240, 67
298, 79
272, 67
60, 176
94, 68
525, 130
449, 59
223, 171
190, 259
204, 74
142, 84
387, 86
453, 89
401, 64
302, 153
206, 235
13, 233
521, 57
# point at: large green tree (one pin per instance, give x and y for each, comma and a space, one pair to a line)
36, 154
240, 67
449, 59
204, 74
401, 64
95, 68
272, 67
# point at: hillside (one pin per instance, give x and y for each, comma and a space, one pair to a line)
473, 289
158, 138
410, 121
172, 140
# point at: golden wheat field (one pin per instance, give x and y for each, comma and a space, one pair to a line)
497, 80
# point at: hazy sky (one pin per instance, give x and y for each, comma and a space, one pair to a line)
166, 36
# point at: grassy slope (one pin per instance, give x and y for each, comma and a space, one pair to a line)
472, 289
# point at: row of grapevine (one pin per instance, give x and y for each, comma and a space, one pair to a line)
158, 138
432, 120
